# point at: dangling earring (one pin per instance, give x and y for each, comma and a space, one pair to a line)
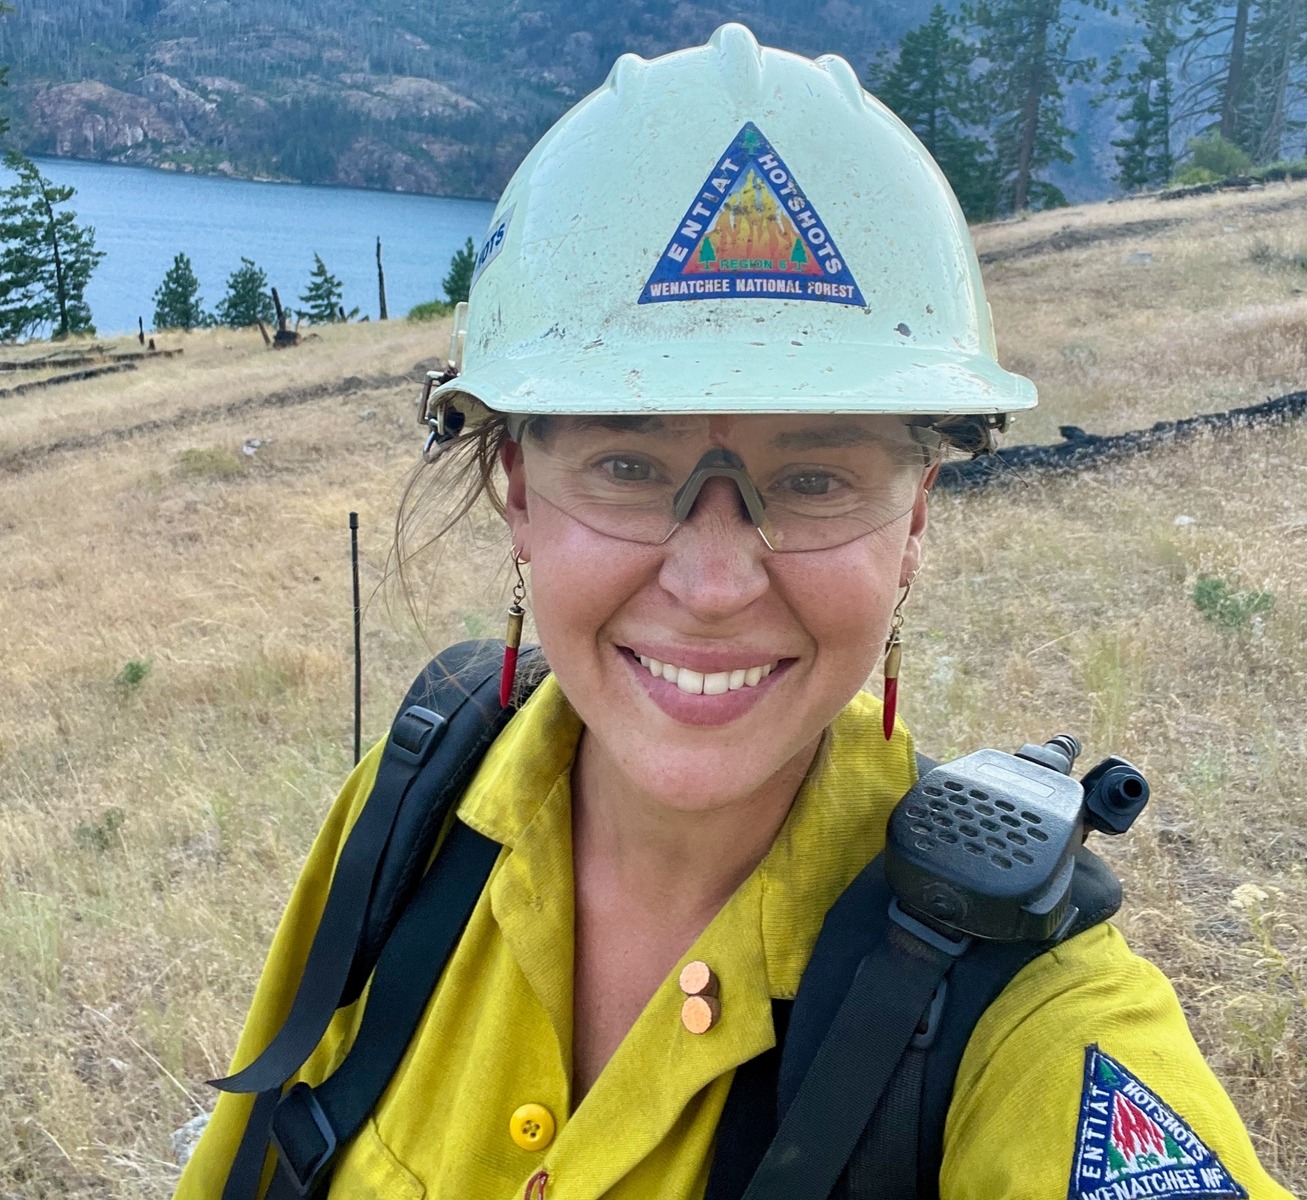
513, 638
893, 657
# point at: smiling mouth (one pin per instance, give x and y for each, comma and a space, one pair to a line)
712, 683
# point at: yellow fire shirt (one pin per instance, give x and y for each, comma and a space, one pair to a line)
1080, 1080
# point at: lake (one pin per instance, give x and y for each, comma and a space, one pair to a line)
144, 217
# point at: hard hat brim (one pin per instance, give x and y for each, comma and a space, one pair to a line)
751, 377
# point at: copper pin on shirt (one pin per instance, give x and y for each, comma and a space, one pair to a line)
702, 1008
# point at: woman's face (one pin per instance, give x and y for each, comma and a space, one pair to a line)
701, 660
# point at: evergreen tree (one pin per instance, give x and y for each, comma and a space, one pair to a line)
1026, 44
323, 297
1275, 58
928, 83
1145, 158
177, 303
46, 258
248, 300
458, 282
1245, 66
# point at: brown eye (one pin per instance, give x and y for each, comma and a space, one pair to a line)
811, 483
628, 470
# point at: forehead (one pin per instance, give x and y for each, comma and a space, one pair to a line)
825, 431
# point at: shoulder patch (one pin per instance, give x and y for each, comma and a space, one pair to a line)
751, 233
1130, 1143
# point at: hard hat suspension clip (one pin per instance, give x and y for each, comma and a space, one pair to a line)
444, 421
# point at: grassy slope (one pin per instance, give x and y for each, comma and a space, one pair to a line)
128, 950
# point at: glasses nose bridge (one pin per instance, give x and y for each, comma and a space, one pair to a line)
719, 463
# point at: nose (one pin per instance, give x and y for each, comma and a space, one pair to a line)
713, 562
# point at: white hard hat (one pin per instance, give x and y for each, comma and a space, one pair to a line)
730, 229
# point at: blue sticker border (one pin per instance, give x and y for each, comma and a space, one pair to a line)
1207, 1178
667, 283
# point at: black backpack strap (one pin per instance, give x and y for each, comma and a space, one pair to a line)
974, 985
748, 1121
852, 1064
447, 721
900, 1153
312, 1124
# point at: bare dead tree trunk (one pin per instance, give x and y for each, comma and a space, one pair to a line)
1234, 76
1286, 41
381, 283
284, 337
1030, 110
60, 285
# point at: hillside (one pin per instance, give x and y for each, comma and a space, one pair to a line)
444, 99
175, 691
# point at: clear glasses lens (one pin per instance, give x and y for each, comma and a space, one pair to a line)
822, 481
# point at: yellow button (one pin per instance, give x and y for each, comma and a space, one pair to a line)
532, 1127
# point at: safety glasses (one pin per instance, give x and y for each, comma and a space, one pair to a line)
805, 483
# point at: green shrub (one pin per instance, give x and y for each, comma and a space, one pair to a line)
213, 463
1214, 153
134, 673
99, 835
432, 310
1190, 176
1218, 601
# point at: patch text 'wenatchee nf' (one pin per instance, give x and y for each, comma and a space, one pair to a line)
1131, 1143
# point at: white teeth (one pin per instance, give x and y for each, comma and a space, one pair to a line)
689, 681
711, 683
706, 683
718, 683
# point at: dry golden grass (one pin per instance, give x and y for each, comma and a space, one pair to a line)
155, 815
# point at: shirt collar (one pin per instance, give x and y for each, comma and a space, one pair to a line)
836, 826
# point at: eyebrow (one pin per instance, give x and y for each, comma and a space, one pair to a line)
622, 424
830, 437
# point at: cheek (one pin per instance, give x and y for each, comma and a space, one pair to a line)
578, 580
845, 598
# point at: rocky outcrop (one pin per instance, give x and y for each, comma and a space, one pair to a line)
93, 120
204, 122
372, 163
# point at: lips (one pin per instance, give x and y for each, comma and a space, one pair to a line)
706, 683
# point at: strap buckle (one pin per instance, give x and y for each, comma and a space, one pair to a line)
304, 1138
953, 947
415, 733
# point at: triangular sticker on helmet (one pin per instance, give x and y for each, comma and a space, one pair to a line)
751, 233
1131, 1143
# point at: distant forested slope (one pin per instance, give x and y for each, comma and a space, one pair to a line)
397, 94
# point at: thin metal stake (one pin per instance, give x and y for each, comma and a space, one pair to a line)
358, 640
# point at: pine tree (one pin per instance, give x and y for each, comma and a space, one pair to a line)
323, 297
928, 83
47, 258
1245, 65
458, 282
248, 300
1145, 158
177, 303
1275, 58
1026, 44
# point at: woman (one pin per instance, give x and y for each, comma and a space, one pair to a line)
725, 324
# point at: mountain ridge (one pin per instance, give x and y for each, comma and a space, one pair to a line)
389, 95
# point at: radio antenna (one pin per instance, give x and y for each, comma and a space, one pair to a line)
358, 639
